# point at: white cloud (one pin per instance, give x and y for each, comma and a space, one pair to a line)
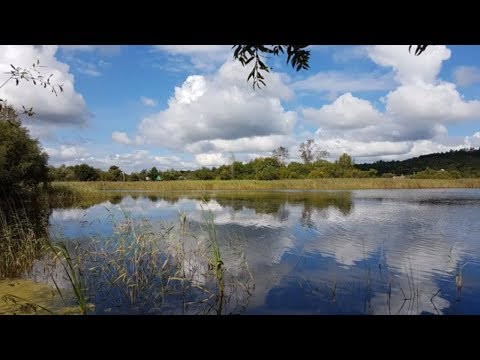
147, 101
90, 68
347, 112
430, 103
212, 111
466, 75
415, 117
336, 82
103, 49
473, 140
131, 161
87, 68
212, 159
408, 68
242, 145
121, 138
67, 108
346, 54
202, 57
66, 154
360, 149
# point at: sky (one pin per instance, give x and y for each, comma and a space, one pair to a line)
188, 106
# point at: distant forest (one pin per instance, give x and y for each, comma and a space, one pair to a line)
463, 163
459, 163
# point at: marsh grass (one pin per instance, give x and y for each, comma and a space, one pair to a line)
20, 245
91, 188
215, 261
75, 275
143, 268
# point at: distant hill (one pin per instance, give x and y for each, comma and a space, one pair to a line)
465, 161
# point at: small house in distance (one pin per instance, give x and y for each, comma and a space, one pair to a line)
158, 178
147, 178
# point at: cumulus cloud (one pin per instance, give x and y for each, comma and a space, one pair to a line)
212, 159
473, 141
67, 108
466, 75
347, 112
410, 69
209, 112
121, 138
430, 103
245, 144
416, 112
138, 160
65, 154
147, 101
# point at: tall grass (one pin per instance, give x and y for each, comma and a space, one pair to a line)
148, 269
91, 188
20, 244
73, 271
215, 262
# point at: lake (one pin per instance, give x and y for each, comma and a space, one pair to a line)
309, 252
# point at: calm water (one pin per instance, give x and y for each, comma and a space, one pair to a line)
345, 252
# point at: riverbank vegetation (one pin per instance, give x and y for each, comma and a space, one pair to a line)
86, 189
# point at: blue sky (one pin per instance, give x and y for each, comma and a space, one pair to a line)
186, 106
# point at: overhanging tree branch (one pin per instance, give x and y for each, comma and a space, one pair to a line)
297, 56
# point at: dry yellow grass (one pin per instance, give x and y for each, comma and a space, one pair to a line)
294, 184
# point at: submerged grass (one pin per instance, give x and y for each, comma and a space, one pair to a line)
147, 269
74, 274
215, 262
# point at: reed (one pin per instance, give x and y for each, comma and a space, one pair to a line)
85, 189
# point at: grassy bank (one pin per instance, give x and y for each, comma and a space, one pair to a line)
90, 188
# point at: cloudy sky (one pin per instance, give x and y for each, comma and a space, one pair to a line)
186, 106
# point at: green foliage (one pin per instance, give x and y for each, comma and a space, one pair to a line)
297, 56
153, 173
23, 164
345, 161
266, 168
114, 173
437, 174
62, 173
466, 162
84, 172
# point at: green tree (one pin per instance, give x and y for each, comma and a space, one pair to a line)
153, 173
135, 177
115, 173
84, 172
23, 164
345, 161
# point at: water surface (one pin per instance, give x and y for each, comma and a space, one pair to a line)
328, 252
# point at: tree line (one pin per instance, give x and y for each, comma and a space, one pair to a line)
264, 168
463, 163
452, 164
